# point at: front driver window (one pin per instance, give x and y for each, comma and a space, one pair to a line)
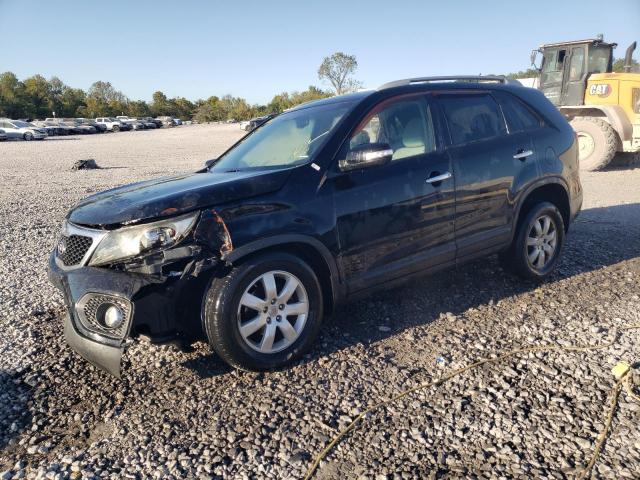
405, 125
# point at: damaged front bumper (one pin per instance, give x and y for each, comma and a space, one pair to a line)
157, 307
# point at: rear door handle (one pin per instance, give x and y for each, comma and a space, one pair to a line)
439, 178
523, 154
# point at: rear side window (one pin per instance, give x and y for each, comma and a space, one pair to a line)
519, 117
472, 117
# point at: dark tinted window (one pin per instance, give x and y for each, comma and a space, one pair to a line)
472, 117
519, 117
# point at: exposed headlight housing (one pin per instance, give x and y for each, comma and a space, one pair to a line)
130, 242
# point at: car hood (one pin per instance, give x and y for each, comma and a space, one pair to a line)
168, 196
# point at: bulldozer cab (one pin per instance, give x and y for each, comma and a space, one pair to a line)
566, 66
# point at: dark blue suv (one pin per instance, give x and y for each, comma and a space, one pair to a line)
324, 202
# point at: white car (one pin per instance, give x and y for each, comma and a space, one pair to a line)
112, 124
23, 130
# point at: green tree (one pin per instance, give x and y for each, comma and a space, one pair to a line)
71, 101
38, 96
104, 100
618, 65
338, 70
182, 108
286, 100
160, 104
138, 108
528, 73
12, 96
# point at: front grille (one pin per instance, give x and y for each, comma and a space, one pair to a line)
73, 248
91, 310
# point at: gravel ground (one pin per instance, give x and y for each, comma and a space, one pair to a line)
182, 414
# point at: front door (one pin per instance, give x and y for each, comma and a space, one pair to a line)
392, 220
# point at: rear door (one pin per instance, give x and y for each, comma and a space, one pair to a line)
490, 164
393, 219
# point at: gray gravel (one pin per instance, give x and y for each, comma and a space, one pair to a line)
186, 415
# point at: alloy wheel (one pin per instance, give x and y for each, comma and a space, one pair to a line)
273, 311
542, 241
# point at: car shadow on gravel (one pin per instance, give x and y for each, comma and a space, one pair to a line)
600, 237
15, 416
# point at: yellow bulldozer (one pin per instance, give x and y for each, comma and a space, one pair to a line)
602, 107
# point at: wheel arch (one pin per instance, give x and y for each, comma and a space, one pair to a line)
612, 114
552, 189
309, 249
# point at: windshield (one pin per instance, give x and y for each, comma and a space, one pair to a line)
21, 124
285, 141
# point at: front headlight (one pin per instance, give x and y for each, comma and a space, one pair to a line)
129, 242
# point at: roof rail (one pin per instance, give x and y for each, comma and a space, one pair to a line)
452, 78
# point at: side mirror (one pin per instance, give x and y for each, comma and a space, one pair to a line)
210, 162
366, 155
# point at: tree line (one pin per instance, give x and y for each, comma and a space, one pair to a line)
38, 97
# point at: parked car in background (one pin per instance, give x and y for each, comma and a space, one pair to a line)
166, 121
177, 121
22, 129
244, 125
79, 127
256, 122
148, 122
134, 122
158, 123
52, 130
113, 124
3, 135
100, 128
69, 125
61, 127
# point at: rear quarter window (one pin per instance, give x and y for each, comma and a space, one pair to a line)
472, 117
519, 116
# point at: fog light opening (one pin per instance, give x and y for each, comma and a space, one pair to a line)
113, 316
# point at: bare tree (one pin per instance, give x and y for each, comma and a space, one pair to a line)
338, 70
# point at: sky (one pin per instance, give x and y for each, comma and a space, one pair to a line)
256, 49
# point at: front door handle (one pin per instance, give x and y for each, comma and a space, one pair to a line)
523, 154
439, 178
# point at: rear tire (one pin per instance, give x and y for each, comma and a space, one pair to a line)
597, 140
116, 128
537, 245
270, 332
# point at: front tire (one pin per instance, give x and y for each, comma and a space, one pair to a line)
28, 136
265, 313
597, 142
537, 245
